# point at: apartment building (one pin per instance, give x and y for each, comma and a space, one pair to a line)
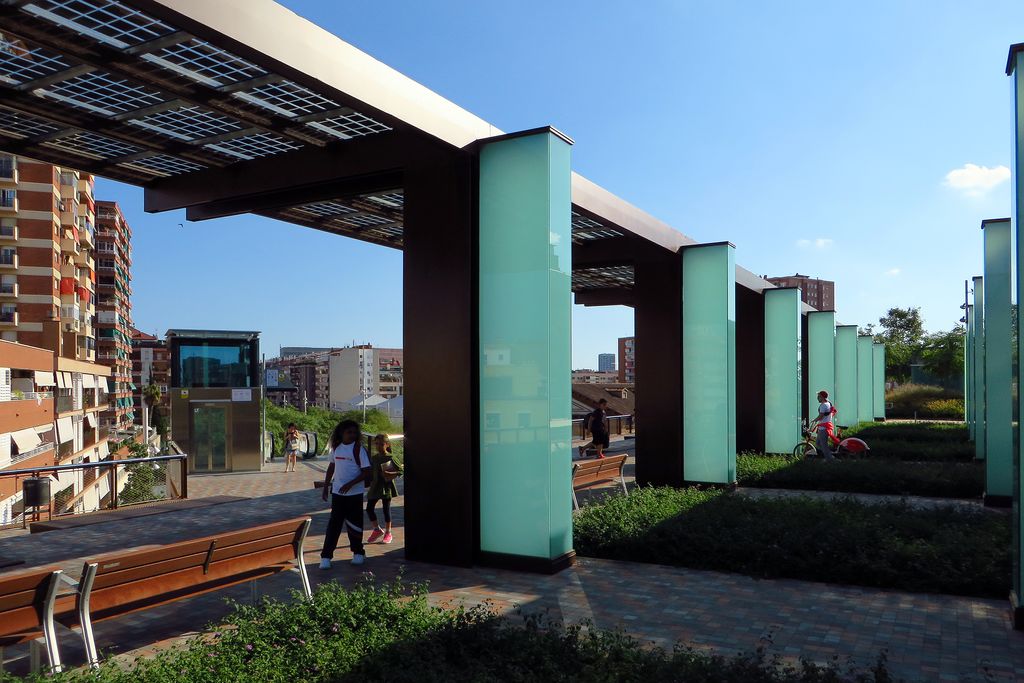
309, 372
47, 267
606, 362
363, 370
627, 360
821, 294
151, 362
594, 377
114, 310
49, 415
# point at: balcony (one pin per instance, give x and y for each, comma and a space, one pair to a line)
8, 290
8, 233
65, 403
38, 450
8, 204
8, 260
9, 170
70, 314
8, 319
69, 245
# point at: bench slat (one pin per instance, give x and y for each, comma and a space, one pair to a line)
119, 562
256, 545
150, 570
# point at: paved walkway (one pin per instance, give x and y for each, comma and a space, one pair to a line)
927, 637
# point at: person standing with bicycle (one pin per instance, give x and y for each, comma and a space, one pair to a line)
823, 426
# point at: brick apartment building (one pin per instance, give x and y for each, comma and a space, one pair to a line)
821, 294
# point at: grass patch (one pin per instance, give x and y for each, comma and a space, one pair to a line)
373, 633
938, 479
891, 546
915, 441
925, 402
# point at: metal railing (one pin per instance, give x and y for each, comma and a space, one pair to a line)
618, 425
41, 448
103, 485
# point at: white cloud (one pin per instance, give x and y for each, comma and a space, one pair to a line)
974, 180
893, 272
817, 243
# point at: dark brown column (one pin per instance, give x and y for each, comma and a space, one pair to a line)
440, 337
749, 370
659, 390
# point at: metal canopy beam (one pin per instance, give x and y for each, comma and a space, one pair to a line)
605, 297
366, 156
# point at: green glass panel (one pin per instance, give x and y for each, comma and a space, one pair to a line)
846, 375
781, 370
525, 345
979, 368
1017, 213
969, 373
865, 410
709, 363
821, 356
209, 439
998, 363
878, 380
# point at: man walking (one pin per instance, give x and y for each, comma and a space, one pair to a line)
597, 423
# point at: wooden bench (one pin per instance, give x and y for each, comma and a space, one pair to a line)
589, 473
121, 583
28, 601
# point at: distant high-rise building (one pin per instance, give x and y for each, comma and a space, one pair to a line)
627, 359
151, 362
606, 362
113, 310
821, 294
308, 368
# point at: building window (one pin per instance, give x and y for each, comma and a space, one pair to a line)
7, 198
7, 255
8, 226
221, 365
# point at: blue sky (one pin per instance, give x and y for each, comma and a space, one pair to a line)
862, 143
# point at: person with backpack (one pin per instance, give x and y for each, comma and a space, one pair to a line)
824, 426
597, 423
346, 478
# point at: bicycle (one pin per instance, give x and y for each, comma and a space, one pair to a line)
808, 447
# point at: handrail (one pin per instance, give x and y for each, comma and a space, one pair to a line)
83, 465
607, 417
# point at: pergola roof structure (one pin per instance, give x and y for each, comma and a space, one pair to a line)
205, 102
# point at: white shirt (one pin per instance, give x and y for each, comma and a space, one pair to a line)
825, 413
346, 468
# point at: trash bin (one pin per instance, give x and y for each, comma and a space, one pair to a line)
35, 492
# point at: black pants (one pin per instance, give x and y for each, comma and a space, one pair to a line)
346, 512
385, 504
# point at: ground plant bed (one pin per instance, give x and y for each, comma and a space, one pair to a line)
915, 441
390, 633
842, 541
864, 475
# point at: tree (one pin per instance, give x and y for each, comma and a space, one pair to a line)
943, 353
903, 336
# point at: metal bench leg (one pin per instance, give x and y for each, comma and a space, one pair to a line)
625, 490
49, 631
85, 618
575, 503
35, 656
303, 576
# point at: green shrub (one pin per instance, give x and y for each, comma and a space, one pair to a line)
910, 399
375, 633
894, 546
942, 409
938, 479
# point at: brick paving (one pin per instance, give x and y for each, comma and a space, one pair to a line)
927, 637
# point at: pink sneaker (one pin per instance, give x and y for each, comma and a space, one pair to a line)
387, 538
375, 536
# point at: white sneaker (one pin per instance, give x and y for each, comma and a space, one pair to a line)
325, 563
358, 559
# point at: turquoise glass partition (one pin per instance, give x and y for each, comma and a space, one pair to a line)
878, 381
1016, 70
979, 368
525, 272
998, 363
709, 363
821, 357
846, 375
782, 376
969, 373
865, 409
